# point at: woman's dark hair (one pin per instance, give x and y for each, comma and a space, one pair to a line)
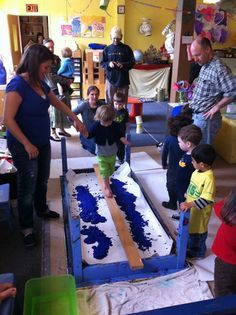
39, 34
204, 153
32, 58
191, 133
228, 211
176, 123
92, 88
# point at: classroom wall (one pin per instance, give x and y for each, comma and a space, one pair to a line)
160, 17
61, 12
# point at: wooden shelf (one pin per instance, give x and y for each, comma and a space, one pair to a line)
77, 84
93, 74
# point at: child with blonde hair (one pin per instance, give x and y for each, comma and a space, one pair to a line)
107, 134
67, 67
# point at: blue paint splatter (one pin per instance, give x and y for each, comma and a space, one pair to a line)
126, 201
88, 206
94, 235
89, 213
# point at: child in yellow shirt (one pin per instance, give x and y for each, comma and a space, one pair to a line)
200, 198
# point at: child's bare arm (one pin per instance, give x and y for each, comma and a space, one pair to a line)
124, 141
184, 206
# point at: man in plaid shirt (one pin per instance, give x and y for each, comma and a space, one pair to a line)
215, 88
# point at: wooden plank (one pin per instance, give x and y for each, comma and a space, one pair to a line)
132, 254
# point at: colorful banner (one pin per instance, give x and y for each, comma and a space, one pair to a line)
211, 22
88, 26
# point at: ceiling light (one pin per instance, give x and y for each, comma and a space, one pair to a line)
211, 1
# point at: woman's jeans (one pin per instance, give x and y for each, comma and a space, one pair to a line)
209, 127
32, 182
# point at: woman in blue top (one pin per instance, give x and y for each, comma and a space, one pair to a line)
27, 120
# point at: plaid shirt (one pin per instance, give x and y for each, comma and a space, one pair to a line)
215, 82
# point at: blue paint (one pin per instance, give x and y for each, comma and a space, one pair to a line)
126, 201
94, 235
89, 213
88, 205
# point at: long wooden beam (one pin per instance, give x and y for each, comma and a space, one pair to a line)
132, 254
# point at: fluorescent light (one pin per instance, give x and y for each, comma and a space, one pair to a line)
211, 1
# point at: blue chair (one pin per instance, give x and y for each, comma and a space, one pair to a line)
7, 306
5, 205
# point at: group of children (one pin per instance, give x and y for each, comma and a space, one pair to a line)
190, 179
191, 186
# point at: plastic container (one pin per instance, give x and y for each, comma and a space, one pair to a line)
139, 124
52, 295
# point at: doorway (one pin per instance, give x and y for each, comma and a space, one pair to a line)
30, 26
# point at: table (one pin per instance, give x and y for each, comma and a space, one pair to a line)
145, 79
225, 140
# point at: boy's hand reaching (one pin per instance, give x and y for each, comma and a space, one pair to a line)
184, 206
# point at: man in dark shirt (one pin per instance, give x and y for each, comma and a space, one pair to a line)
117, 60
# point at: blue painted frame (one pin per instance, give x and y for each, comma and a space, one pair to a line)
218, 306
97, 274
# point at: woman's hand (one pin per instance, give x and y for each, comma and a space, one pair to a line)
32, 150
79, 126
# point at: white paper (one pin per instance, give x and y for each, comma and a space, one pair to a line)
6, 167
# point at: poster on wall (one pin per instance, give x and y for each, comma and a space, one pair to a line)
66, 30
211, 22
88, 26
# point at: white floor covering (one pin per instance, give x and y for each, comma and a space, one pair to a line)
127, 298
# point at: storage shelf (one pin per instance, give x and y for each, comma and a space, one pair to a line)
77, 84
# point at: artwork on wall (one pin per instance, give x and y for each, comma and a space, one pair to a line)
66, 29
85, 26
211, 22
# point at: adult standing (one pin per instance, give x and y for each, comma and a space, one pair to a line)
87, 109
26, 117
58, 119
118, 59
39, 38
215, 88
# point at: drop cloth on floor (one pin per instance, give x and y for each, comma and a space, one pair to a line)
128, 298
